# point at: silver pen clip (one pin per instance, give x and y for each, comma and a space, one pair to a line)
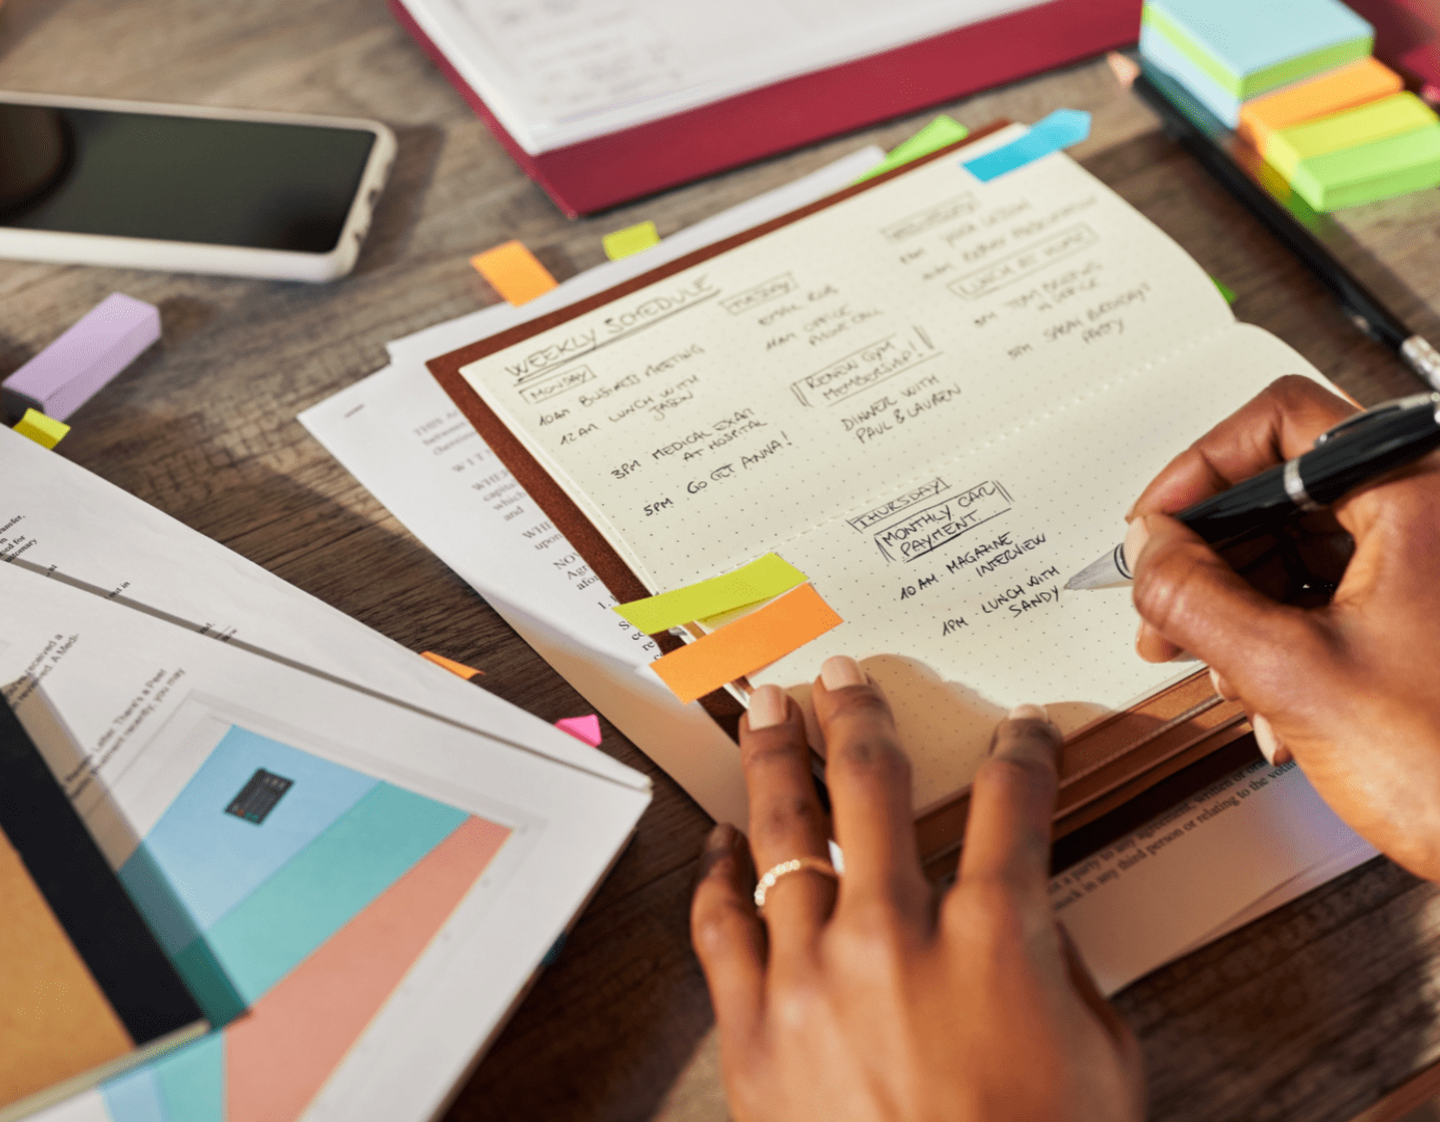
1384, 409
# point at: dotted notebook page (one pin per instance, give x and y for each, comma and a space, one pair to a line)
703, 419
953, 591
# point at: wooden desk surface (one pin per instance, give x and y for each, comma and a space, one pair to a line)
1313, 1013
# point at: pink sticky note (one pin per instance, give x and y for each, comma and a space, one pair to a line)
71, 370
586, 728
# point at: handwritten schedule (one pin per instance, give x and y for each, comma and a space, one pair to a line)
936, 399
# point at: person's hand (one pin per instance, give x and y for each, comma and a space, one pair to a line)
1349, 688
869, 998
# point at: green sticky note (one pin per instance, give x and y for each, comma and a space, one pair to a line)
1225, 290
1396, 165
769, 576
937, 134
1389, 116
632, 239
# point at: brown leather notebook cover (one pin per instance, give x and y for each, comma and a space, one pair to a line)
1101, 766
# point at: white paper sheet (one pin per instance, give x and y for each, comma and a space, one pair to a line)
126, 707
1235, 851
60, 520
557, 74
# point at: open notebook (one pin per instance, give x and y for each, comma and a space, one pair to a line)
935, 394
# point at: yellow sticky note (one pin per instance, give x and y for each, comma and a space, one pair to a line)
755, 641
632, 239
761, 579
513, 271
42, 429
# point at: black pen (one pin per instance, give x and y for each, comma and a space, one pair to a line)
1356, 451
1197, 131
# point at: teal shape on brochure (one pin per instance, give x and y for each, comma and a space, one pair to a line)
173, 926
1060, 129
134, 1097
208, 982
192, 1081
212, 860
319, 890
1162, 54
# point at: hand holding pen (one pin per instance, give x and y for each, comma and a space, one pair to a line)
1349, 686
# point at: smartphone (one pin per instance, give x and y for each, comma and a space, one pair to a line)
235, 192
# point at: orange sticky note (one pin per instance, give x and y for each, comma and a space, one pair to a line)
784, 625
1343, 88
466, 672
514, 272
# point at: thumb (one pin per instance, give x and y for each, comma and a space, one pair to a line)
1193, 599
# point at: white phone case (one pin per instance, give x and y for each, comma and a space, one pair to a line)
195, 257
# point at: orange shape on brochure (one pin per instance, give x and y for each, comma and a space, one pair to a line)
457, 668
514, 272
782, 626
279, 1055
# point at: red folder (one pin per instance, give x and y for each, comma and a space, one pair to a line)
1407, 36
612, 169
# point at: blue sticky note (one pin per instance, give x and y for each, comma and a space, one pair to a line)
1159, 52
1060, 129
1249, 47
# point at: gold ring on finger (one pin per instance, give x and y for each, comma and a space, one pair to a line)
784, 869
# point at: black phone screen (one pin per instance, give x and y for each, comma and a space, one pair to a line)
191, 179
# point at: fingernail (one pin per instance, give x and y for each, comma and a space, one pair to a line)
1215, 681
1135, 539
839, 672
1029, 713
1140, 633
1129, 514
768, 708
1265, 737
720, 839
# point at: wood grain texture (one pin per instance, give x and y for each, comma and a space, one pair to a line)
1312, 1014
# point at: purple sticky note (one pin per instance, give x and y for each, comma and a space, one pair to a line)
68, 372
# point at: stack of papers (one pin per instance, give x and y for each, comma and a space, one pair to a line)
356, 860
1128, 914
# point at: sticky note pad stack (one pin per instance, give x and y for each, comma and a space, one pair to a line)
1229, 51
1296, 81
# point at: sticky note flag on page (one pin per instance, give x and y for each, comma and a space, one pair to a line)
750, 643
631, 240
514, 272
937, 134
459, 669
586, 728
1060, 129
42, 429
759, 580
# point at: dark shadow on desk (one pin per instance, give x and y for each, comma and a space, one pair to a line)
398, 210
